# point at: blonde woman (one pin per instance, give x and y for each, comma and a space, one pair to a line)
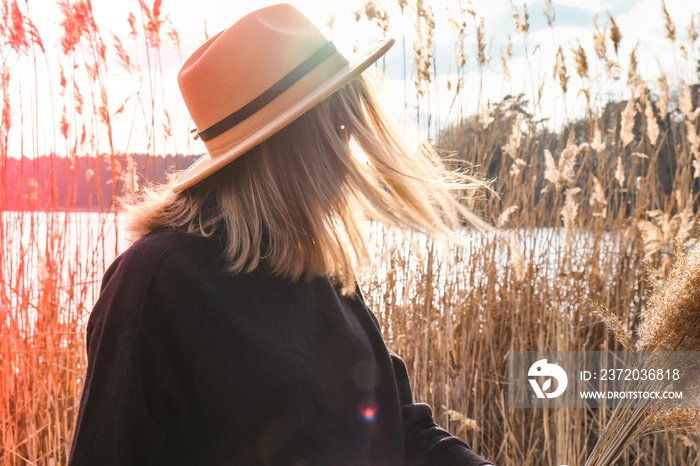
232, 331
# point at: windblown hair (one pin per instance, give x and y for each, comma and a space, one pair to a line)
298, 200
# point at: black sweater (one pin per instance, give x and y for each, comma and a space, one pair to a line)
189, 364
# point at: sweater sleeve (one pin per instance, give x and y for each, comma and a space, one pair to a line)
426, 443
124, 410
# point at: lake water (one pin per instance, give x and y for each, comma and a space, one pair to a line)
68, 253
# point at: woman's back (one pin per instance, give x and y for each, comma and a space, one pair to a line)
213, 366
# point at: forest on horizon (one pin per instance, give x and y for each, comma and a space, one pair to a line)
52, 183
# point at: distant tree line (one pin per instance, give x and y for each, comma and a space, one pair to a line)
84, 183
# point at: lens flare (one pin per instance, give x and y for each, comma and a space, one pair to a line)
368, 411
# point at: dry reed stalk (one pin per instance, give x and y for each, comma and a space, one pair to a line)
598, 143
652, 125
685, 103
562, 172
598, 199
486, 117
671, 323
692, 32
615, 33
668, 24
652, 237
517, 258
482, 52
377, 15
509, 47
634, 80
551, 173
570, 209
620, 173
627, 126
560, 70
567, 162
549, 12
504, 67
458, 25
504, 218
599, 45
673, 309
664, 90
512, 147
423, 46
580, 59
521, 20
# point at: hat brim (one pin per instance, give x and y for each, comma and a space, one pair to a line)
289, 106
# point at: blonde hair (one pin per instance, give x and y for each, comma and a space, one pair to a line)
297, 201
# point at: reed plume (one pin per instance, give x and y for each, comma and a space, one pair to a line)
504, 218
549, 12
599, 40
562, 172
517, 257
521, 20
598, 143
652, 125
482, 52
634, 80
513, 145
627, 123
615, 33
504, 67
620, 172
560, 70
668, 23
423, 46
580, 59
598, 199
685, 103
377, 15
570, 210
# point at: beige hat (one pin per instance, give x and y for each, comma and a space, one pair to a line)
254, 78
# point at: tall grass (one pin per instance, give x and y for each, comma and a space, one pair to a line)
590, 216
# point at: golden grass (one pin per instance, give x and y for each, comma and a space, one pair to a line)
591, 218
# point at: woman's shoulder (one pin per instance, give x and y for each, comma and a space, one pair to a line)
166, 248
160, 262
166, 240
165, 243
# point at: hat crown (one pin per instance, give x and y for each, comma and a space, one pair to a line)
240, 63
259, 75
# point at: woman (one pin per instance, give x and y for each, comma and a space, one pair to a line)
232, 331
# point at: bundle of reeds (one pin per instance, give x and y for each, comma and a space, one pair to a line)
670, 323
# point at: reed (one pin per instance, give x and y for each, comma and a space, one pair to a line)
590, 218
670, 323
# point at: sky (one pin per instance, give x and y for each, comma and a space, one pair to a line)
641, 23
